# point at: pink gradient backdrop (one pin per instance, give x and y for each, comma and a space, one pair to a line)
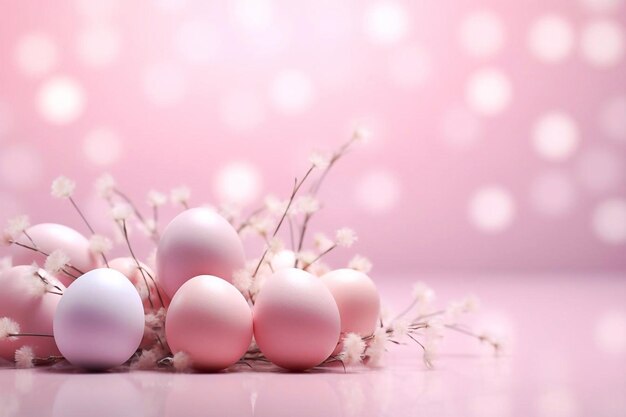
176, 91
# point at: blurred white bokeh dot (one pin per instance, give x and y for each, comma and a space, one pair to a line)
98, 45
238, 183
601, 169
61, 100
488, 91
491, 209
98, 9
378, 191
36, 54
482, 33
241, 111
613, 118
602, 43
21, 166
601, 5
552, 193
410, 66
550, 38
252, 15
291, 91
610, 332
608, 221
386, 22
164, 84
460, 128
555, 136
102, 146
198, 41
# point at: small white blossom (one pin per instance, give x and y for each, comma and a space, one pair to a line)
181, 362
319, 160
36, 286
275, 245
99, 244
470, 303
180, 195
156, 320
353, 348
306, 257
24, 357
322, 242
156, 198
307, 205
400, 328
8, 327
345, 237
423, 294
360, 263
361, 134
242, 280
377, 347
105, 186
274, 205
121, 211
56, 261
62, 187
434, 329
261, 225
16, 226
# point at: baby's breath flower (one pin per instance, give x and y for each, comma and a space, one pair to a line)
62, 187
146, 361
121, 211
180, 195
274, 205
99, 244
423, 294
353, 348
36, 286
306, 257
360, 263
261, 225
242, 280
56, 261
307, 204
377, 347
105, 186
16, 226
24, 357
276, 245
181, 362
156, 198
8, 327
400, 328
470, 303
345, 237
322, 242
361, 134
319, 160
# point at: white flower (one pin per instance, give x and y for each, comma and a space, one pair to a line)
434, 329
156, 320
99, 244
275, 245
307, 204
24, 357
8, 327
147, 360
261, 225
274, 205
318, 269
345, 237
62, 187
181, 362
180, 195
319, 160
105, 186
56, 261
470, 303
242, 280
306, 257
16, 226
353, 348
121, 211
156, 198
361, 134
360, 263
377, 347
322, 242
423, 294
400, 328
36, 286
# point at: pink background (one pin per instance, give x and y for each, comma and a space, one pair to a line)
168, 92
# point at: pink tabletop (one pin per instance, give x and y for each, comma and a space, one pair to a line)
566, 357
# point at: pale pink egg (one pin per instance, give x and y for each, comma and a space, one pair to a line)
357, 299
99, 322
49, 237
128, 267
197, 242
296, 320
22, 300
210, 321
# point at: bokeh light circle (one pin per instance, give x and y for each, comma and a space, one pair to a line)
555, 136
98, 45
36, 54
378, 191
602, 43
613, 118
61, 100
552, 193
238, 183
488, 91
386, 22
102, 146
550, 38
482, 33
491, 209
608, 221
291, 91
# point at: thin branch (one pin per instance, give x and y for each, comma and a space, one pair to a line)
132, 254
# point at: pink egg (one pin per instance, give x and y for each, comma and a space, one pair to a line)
128, 267
49, 237
99, 321
211, 321
296, 320
197, 242
357, 299
33, 311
